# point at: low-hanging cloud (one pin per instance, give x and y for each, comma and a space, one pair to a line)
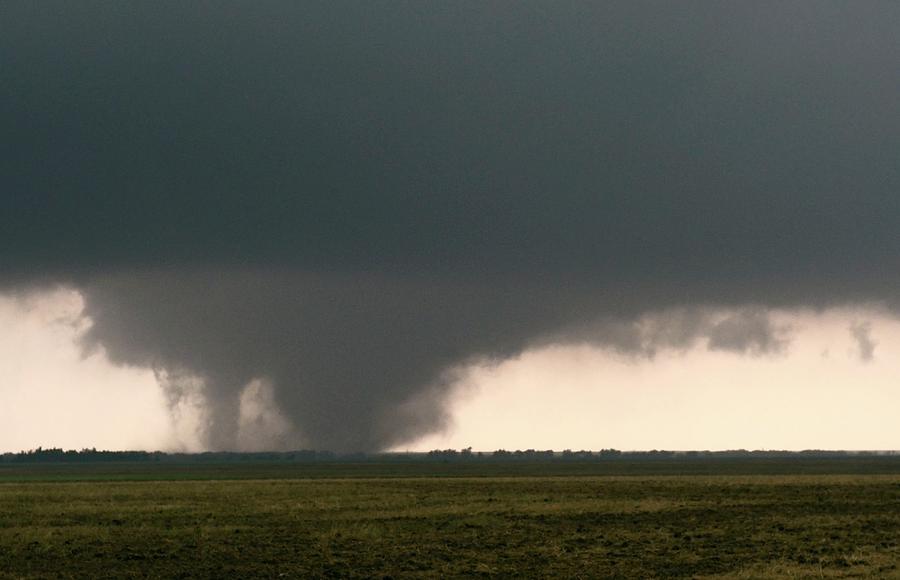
862, 334
749, 331
364, 361
347, 201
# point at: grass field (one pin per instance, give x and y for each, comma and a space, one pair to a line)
448, 521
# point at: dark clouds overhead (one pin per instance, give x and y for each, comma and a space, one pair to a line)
613, 139
523, 167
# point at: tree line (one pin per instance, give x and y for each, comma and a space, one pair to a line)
93, 455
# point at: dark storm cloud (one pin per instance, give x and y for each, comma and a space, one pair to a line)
349, 198
344, 351
359, 361
658, 141
362, 361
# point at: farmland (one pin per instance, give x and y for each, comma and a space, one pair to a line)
741, 519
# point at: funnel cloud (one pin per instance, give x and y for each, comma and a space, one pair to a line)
339, 205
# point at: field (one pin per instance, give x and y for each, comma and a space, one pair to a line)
624, 520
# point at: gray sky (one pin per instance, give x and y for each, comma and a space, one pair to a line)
347, 202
